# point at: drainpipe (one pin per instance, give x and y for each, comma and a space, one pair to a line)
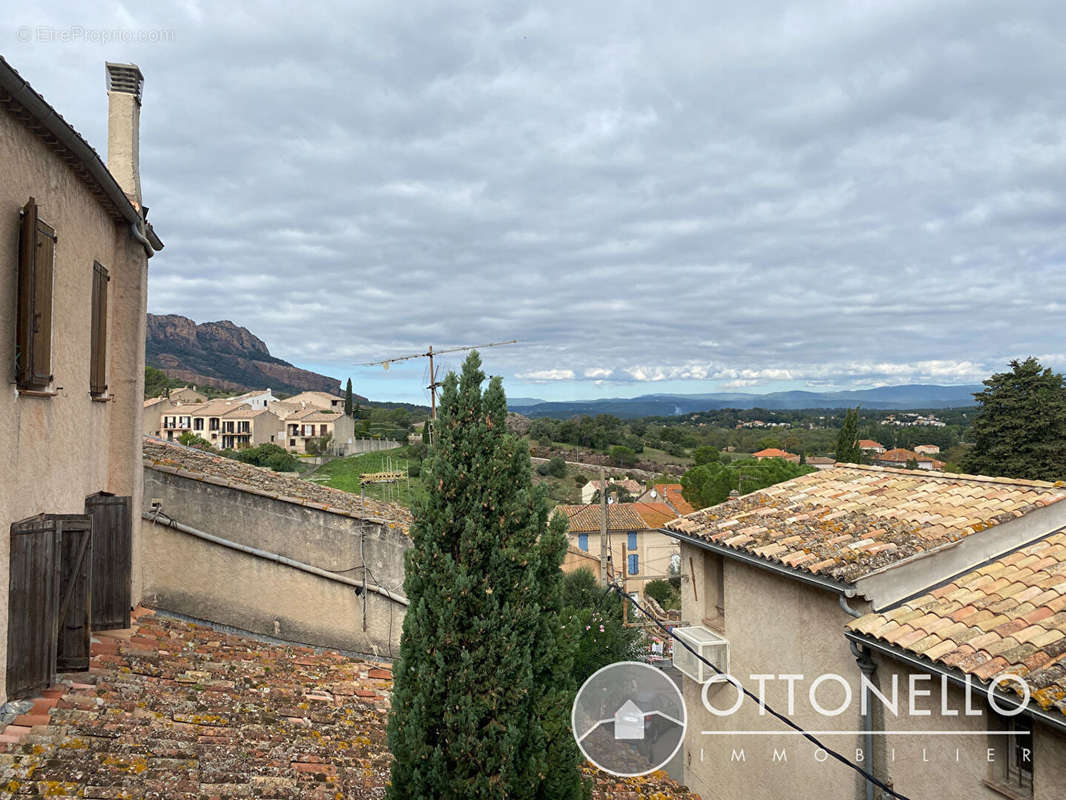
868, 667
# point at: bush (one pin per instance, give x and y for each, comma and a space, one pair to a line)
270, 456
557, 467
542, 468
664, 593
595, 620
414, 470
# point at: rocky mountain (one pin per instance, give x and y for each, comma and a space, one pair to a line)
224, 355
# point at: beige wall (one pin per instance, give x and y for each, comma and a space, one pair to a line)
60, 449
237, 589
152, 418
774, 626
268, 428
654, 550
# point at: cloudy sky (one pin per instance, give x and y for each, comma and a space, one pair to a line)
650, 197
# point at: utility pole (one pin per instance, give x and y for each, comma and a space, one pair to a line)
605, 555
430, 354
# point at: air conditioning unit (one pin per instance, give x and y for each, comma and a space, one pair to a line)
710, 645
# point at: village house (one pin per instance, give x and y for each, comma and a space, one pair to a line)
322, 400
152, 419
75, 252
870, 446
588, 491
821, 462
773, 452
669, 493
639, 550
315, 423
927, 449
901, 457
186, 394
771, 580
246, 426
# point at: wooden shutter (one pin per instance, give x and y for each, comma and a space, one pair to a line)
33, 341
112, 554
75, 578
33, 607
98, 334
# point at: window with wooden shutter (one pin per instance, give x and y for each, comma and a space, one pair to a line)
98, 333
33, 337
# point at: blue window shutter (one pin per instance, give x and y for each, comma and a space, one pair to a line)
632, 541
583, 541
634, 564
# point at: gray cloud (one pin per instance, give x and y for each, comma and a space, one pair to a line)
746, 194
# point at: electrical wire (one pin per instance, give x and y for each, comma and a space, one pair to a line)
778, 715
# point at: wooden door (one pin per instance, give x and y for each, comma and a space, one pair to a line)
33, 607
75, 580
112, 560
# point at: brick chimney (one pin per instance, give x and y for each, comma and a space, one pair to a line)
124, 85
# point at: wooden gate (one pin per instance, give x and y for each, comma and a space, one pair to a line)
33, 607
75, 578
112, 567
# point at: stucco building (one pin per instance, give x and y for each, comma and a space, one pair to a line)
75, 253
773, 583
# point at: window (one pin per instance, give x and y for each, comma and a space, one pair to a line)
632, 541
98, 332
33, 337
634, 564
292, 443
1012, 769
244, 427
583, 541
321, 430
213, 424
198, 424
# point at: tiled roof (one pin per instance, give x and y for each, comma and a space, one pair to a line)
672, 493
870, 444
245, 411
1007, 616
200, 465
630, 485
586, 518
654, 514
773, 452
217, 408
813, 460
182, 711
901, 455
848, 521
314, 415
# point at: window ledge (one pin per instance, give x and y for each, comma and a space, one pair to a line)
37, 393
1014, 793
101, 398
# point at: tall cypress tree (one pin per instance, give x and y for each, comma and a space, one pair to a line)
847, 450
481, 701
349, 407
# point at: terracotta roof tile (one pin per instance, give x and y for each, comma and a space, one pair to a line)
620, 516
904, 512
1011, 623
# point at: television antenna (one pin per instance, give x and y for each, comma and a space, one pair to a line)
431, 354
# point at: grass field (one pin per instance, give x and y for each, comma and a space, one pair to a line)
344, 473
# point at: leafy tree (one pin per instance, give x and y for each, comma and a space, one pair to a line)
557, 467
705, 454
267, 455
1020, 428
664, 593
156, 382
349, 406
622, 455
710, 484
319, 446
484, 683
847, 449
595, 620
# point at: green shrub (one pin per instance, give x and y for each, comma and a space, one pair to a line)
557, 467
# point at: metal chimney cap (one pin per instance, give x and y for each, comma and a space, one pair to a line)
125, 78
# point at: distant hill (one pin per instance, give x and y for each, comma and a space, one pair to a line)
226, 356
888, 398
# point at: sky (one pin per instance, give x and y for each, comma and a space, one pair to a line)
681, 197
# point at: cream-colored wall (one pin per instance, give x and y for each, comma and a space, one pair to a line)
265, 426
774, 626
58, 450
152, 418
654, 550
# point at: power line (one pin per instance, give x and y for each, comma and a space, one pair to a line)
808, 736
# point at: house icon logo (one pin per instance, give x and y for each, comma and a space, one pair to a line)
629, 719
